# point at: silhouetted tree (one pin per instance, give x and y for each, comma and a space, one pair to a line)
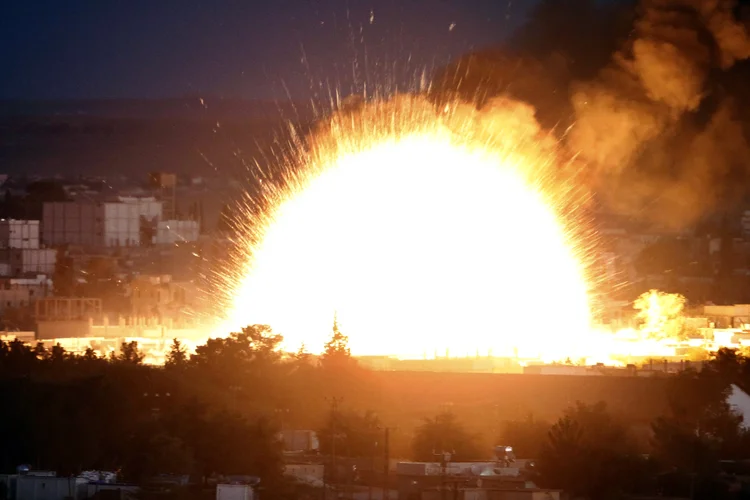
256, 344
527, 436
156, 451
90, 355
302, 362
245, 366
728, 366
357, 434
444, 433
337, 354
130, 353
177, 357
17, 358
589, 454
57, 354
700, 430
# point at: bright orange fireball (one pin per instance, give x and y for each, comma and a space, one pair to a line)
424, 231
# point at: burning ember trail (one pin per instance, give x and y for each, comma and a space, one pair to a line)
424, 232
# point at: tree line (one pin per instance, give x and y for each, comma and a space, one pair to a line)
699, 448
206, 414
219, 411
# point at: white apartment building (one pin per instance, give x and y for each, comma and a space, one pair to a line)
19, 233
122, 224
25, 261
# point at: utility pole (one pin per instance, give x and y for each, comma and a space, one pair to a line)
445, 457
372, 471
386, 465
334, 411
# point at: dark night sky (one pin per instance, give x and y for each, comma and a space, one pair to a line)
52, 49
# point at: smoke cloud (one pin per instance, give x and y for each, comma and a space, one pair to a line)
663, 140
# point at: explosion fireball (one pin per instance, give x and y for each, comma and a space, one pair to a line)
423, 230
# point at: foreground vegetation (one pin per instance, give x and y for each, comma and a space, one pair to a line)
218, 411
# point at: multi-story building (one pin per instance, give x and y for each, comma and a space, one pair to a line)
97, 224
20, 251
73, 223
122, 224
19, 233
25, 261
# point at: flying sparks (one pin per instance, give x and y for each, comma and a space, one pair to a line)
424, 231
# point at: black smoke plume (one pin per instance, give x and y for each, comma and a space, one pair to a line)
663, 124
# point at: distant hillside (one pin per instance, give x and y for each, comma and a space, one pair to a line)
135, 136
